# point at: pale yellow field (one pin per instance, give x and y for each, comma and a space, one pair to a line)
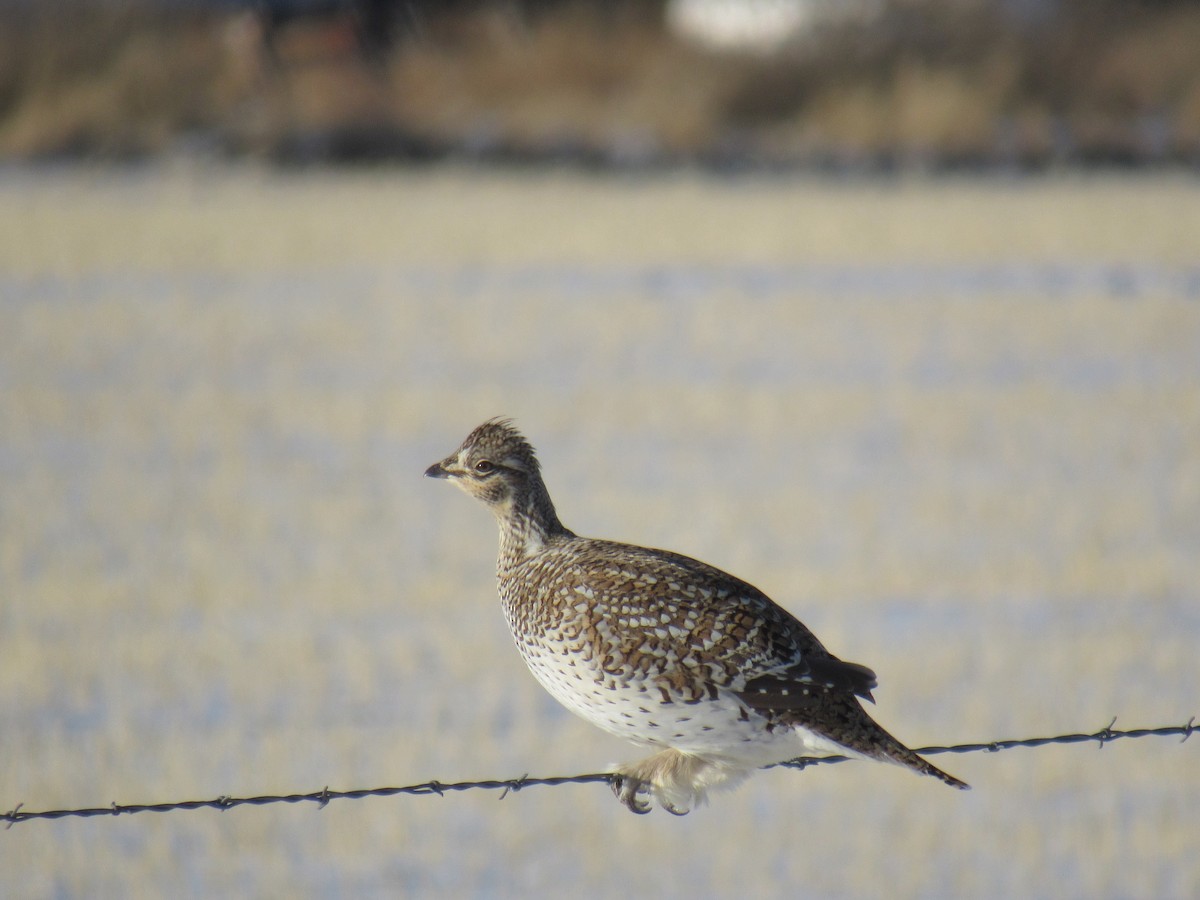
954, 426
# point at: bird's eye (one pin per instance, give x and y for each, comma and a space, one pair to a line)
484, 466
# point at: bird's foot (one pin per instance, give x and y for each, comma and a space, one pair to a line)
636, 793
673, 810
627, 788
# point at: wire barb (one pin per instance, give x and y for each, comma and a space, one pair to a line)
11, 816
515, 785
322, 797
1105, 734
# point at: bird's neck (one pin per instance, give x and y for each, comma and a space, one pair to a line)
527, 523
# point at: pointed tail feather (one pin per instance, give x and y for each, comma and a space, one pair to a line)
928, 768
898, 753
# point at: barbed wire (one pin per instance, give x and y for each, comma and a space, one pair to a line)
322, 797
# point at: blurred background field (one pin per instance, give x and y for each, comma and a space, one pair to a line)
952, 424
850, 85
891, 307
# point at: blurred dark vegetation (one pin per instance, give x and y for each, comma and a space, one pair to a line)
917, 83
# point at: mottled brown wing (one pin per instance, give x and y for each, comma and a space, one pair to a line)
784, 666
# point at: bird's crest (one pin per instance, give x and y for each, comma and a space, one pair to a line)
499, 440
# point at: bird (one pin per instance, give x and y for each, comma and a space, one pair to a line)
673, 654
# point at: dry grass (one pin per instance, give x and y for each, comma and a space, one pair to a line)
223, 573
113, 79
568, 81
936, 83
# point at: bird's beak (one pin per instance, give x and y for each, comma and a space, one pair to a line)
437, 470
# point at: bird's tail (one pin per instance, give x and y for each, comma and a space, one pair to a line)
844, 721
897, 753
874, 741
927, 768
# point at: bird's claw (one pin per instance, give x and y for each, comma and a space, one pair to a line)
627, 789
673, 810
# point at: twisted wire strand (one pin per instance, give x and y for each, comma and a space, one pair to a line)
322, 797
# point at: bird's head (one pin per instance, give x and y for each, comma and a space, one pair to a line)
495, 464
